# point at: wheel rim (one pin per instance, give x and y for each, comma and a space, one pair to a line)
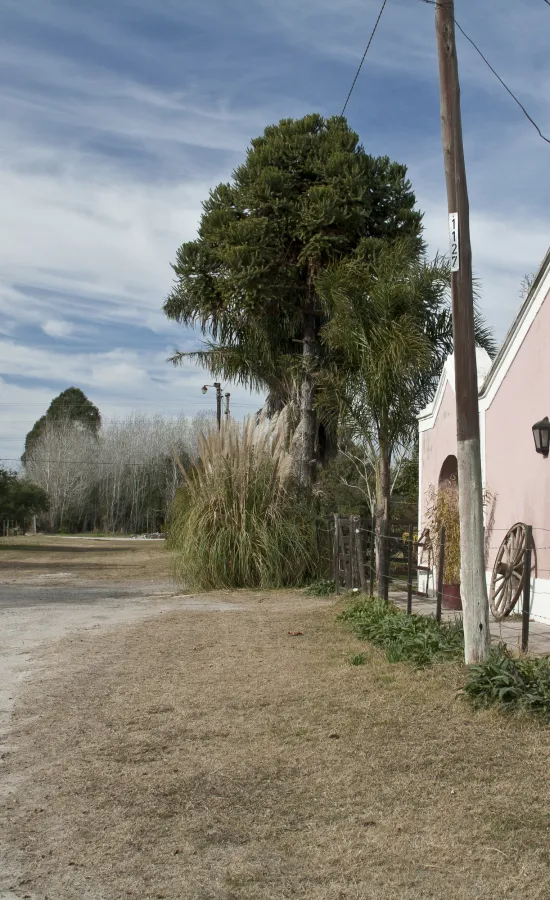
508, 575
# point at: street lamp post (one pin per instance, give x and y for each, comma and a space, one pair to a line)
218, 388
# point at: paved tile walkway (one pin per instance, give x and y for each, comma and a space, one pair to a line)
508, 631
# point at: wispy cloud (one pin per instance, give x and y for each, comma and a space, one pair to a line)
57, 328
119, 117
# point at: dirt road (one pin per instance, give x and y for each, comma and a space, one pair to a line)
52, 587
177, 747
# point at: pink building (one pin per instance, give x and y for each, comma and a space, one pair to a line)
514, 394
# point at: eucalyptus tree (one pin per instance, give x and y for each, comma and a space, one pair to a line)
122, 479
61, 460
71, 405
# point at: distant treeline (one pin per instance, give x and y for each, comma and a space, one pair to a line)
120, 477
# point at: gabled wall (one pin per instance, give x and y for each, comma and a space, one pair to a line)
515, 395
519, 476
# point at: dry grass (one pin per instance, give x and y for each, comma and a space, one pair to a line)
214, 757
68, 560
239, 519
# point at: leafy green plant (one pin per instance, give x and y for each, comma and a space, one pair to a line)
321, 588
357, 659
416, 639
239, 519
510, 683
20, 499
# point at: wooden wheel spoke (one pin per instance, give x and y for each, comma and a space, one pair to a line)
508, 577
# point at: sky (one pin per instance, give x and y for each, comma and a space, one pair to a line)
118, 116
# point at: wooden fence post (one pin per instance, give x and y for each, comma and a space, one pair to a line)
347, 556
409, 571
360, 555
383, 561
372, 559
440, 566
352, 551
526, 611
330, 545
336, 547
381, 558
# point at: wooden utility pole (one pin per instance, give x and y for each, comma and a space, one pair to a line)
472, 555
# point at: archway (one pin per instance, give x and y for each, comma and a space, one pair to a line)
448, 473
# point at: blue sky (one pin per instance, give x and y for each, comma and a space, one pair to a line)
118, 117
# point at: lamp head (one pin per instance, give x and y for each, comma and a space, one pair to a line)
541, 434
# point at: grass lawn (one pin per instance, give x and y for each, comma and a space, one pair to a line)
84, 558
212, 756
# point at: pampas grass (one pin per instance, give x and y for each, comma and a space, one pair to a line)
239, 519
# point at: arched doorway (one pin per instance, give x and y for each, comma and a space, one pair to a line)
448, 473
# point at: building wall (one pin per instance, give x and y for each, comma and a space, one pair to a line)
436, 444
515, 473
517, 477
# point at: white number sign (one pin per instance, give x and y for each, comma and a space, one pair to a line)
453, 239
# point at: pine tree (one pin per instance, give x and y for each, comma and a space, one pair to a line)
303, 199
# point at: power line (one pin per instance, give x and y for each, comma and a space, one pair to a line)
121, 402
373, 32
504, 85
158, 403
495, 73
76, 462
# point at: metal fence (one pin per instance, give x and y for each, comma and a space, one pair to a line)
361, 557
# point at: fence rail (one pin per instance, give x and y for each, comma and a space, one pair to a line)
362, 556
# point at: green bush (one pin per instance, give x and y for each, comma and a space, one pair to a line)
357, 659
321, 588
239, 520
416, 639
511, 684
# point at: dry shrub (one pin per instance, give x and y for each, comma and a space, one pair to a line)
442, 511
239, 519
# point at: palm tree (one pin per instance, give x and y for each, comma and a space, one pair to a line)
389, 331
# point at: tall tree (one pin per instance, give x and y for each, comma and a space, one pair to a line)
71, 405
304, 198
20, 499
389, 330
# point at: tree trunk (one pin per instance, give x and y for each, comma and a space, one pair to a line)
308, 419
327, 440
383, 491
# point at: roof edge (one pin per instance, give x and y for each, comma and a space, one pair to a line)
516, 325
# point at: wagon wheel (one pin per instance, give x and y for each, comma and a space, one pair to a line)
508, 575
